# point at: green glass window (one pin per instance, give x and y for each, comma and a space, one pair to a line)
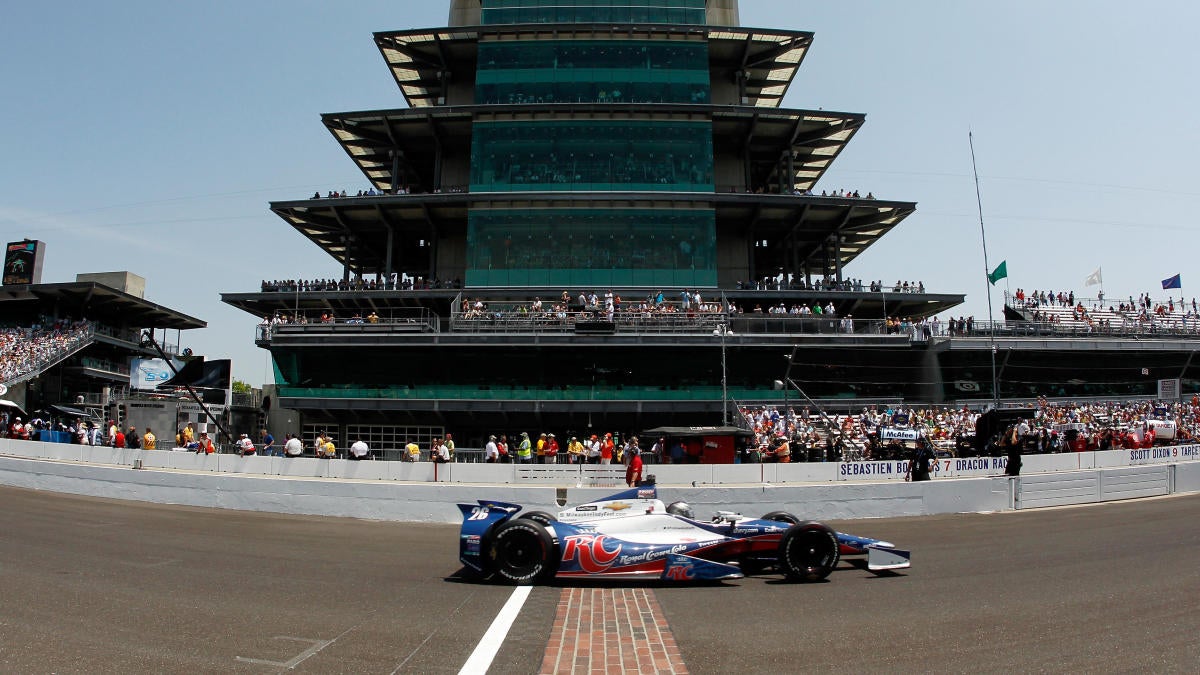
601, 155
594, 248
592, 71
593, 11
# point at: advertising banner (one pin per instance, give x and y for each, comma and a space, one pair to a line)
147, 374
893, 434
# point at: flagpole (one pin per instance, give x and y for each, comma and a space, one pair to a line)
986, 273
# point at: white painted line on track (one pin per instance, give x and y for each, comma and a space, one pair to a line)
485, 651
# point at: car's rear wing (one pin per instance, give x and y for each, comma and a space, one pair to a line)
477, 519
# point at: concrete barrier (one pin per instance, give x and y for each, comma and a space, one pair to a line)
1135, 482
1097, 485
375, 500
1187, 477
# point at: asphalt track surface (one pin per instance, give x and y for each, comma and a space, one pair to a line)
94, 585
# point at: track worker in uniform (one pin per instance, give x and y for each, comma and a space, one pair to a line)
525, 449
918, 468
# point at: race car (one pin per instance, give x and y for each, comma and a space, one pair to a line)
634, 535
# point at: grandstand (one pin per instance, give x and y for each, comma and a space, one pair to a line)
71, 344
512, 178
1091, 317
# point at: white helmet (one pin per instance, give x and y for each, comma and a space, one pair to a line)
681, 509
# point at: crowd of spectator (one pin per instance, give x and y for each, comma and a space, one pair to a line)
853, 194
326, 316
1145, 314
589, 305
558, 177
799, 436
24, 349
81, 431
1143, 307
372, 192
803, 435
781, 282
1108, 425
381, 282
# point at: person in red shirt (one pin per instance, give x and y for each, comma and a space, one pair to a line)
633, 464
205, 445
551, 449
119, 439
606, 449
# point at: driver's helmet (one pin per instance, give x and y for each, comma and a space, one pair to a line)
681, 509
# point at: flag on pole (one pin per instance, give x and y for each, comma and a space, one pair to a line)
1173, 282
1001, 272
1094, 278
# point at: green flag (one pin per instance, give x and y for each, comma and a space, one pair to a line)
1001, 272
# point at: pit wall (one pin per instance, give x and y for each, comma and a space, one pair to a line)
424, 492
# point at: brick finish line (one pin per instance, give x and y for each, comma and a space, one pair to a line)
610, 630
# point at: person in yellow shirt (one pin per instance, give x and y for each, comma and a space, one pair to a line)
328, 451
149, 441
541, 449
414, 452
575, 451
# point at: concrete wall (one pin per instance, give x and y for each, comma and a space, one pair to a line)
375, 500
424, 492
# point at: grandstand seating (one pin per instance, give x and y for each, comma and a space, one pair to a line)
27, 351
1092, 318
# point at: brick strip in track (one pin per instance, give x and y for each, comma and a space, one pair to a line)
610, 630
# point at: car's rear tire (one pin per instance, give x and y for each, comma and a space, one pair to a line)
520, 552
540, 517
782, 517
808, 552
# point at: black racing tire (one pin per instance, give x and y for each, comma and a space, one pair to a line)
808, 552
782, 517
541, 517
520, 552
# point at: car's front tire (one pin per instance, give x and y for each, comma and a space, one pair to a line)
540, 517
808, 552
520, 552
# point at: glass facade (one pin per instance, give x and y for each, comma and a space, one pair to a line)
594, 248
587, 155
592, 71
593, 11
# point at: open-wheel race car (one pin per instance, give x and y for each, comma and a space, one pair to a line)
634, 535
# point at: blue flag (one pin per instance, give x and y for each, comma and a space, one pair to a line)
1173, 282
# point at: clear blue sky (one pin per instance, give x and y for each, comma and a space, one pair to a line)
149, 137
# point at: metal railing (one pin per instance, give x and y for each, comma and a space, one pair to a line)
1043, 329
397, 321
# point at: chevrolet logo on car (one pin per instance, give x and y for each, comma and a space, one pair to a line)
617, 506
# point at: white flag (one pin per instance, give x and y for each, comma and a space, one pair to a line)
1094, 278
